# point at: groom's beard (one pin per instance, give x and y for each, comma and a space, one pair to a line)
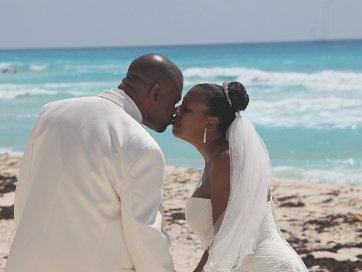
162, 129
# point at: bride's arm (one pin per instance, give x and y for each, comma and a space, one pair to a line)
220, 186
200, 266
219, 192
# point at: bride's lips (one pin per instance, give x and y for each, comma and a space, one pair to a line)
174, 122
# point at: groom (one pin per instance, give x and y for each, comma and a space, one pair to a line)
90, 186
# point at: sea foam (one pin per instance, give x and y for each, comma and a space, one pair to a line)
8, 67
22, 93
327, 80
319, 175
324, 99
16, 67
10, 91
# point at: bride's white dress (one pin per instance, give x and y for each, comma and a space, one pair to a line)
272, 252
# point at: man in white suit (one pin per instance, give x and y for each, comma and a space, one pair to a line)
89, 192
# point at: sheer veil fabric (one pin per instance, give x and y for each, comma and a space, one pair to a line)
235, 233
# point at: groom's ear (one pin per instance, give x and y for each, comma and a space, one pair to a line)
155, 92
212, 123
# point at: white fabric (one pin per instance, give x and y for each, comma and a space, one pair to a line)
90, 190
271, 254
198, 214
250, 172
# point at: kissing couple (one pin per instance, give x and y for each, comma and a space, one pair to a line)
89, 192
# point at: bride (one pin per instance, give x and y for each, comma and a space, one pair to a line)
231, 207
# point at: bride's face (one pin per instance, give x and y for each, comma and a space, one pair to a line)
190, 120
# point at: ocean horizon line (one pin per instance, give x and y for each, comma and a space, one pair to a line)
185, 45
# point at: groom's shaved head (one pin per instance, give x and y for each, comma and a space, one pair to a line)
155, 84
151, 69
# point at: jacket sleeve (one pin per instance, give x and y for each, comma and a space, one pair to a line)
22, 183
25, 174
24, 177
141, 202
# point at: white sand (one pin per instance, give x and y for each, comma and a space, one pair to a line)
323, 222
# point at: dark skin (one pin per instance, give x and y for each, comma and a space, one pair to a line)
216, 176
215, 186
155, 84
189, 125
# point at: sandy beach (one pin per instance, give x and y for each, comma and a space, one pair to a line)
322, 222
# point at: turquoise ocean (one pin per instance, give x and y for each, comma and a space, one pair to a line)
305, 98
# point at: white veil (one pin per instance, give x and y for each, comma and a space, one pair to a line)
250, 171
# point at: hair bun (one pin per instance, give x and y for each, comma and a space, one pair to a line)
238, 96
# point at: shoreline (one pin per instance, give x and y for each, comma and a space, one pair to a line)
321, 221
329, 177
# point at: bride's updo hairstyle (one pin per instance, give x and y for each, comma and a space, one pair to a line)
219, 105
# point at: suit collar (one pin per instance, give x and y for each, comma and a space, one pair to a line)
124, 101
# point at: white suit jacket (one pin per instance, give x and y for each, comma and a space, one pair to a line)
89, 191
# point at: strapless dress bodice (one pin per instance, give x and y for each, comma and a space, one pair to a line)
198, 215
271, 254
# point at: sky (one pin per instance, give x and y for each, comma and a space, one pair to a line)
97, 23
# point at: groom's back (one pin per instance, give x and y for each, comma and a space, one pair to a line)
68, 207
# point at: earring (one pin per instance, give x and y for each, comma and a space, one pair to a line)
205, 132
